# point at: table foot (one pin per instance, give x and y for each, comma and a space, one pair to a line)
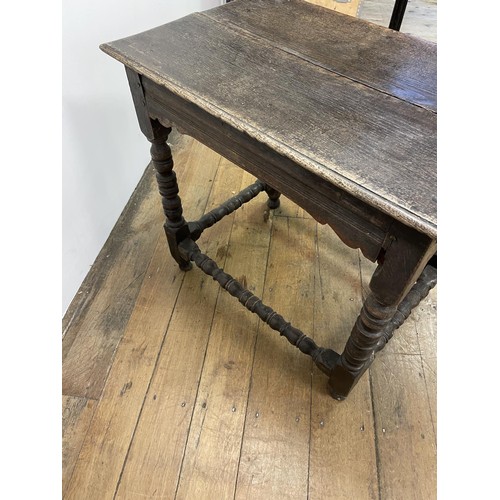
359, 351
274, 197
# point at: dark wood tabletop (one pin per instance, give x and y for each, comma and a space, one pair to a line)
349, 101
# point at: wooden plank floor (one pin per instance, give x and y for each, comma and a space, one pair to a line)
172, 390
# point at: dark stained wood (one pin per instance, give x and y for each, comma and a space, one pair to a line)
146, 125
175, 225
180, 435
176, 228
375, 146
398, 65
353, 145
401, 266
228, 207
274, 197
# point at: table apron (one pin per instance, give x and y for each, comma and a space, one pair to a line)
358, 224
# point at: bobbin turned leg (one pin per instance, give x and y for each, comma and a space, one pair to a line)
398, 270
176, 228
359, 351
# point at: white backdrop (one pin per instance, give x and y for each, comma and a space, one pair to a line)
104, 153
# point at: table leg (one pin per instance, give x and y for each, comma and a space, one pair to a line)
176, 228
274, 197
398, 270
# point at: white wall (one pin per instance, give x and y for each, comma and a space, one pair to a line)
104, 152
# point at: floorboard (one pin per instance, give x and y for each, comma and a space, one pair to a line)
275, 450
76, 417
212, 453
343, 449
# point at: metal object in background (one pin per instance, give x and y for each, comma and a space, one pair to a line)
397, 14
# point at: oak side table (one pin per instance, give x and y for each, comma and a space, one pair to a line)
335, 113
